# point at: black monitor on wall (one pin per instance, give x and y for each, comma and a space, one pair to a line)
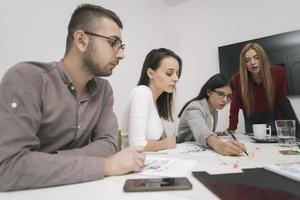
282, 49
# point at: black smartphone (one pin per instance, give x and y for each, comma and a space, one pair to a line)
157, 184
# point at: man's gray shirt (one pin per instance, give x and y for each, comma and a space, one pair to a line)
45, 128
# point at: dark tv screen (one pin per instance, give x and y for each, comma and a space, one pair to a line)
282, 49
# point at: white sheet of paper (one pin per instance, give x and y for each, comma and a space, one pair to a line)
190, 147
290, 170
162, 166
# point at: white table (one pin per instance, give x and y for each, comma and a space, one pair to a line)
260, 155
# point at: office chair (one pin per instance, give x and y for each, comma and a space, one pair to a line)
286, 111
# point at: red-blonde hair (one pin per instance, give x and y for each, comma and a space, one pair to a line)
265, 74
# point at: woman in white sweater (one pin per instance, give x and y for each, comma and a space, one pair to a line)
151, 102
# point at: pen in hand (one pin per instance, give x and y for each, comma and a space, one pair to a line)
234, 138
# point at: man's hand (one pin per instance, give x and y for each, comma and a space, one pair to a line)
125, 161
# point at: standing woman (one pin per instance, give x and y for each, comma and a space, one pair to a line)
259, 88
199, 117
151, 102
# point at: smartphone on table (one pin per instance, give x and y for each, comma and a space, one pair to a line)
157, 184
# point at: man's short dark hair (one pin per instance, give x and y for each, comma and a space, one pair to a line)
84, 18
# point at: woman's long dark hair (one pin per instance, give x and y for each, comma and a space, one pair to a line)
216, 81
153, 60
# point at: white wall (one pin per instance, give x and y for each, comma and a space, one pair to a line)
36, 30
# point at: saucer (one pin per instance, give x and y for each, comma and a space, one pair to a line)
272, 139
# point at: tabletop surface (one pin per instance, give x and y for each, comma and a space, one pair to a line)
260, 155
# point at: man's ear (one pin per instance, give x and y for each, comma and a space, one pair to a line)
150, 73
81, 40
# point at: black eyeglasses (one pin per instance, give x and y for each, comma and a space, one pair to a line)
114, 41
222, 95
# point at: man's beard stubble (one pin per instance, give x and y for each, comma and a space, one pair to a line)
91, 65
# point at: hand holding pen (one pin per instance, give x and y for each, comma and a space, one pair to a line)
234, 138
226, 148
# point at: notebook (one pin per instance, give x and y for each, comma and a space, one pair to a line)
257, 183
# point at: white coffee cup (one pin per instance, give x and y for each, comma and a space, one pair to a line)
261, 131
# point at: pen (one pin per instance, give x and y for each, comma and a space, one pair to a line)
234, 138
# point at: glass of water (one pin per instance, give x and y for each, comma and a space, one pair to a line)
286, 132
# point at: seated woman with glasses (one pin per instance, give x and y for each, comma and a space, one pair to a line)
199, 117
151, 102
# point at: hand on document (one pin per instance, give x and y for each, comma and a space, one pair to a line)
127, 160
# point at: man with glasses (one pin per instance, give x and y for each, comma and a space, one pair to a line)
56, 119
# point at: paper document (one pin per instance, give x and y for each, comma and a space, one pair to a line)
290, 170
161, 166
190, 147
